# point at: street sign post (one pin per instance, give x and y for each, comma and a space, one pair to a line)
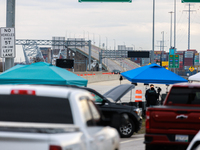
190, 1
122, 1
7, 42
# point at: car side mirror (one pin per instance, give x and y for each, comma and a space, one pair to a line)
104, 101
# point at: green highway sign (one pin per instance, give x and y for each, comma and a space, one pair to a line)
122, 1
190, 1
173, 61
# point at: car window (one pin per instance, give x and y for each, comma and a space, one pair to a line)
94, 111
97, 98
183, 95
86, 111
35, 109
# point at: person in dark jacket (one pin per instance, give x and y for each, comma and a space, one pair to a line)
152, 96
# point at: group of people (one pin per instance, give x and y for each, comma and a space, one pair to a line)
152, 96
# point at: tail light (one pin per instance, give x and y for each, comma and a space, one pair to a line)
147, 125
55, 147
23, 92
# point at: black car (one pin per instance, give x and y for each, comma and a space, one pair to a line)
116, 71
110, 105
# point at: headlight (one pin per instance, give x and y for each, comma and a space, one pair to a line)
137, 111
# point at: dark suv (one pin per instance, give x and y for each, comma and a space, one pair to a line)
110, 105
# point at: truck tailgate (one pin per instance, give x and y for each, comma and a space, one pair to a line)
23, 141
175, 117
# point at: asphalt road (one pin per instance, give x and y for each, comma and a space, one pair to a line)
133, 143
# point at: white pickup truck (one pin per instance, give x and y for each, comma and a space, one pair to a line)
37, 117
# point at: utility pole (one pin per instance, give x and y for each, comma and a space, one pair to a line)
152, 54
163, 45
189, 29
10, 23
189, 11
99, 40
171, 12
174, 25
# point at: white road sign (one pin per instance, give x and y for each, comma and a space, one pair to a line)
7, 42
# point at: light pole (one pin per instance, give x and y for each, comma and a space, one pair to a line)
153, 38
174, 25
99, 40
10, 23
189, 28
134, 46
106, 42
171, 29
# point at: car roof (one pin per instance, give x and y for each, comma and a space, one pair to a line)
197, 85
40, 90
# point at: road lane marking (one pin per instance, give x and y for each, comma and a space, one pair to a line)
131, 140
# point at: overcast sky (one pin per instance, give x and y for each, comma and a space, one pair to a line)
129, 23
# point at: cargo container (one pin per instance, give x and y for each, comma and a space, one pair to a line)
193, 50
145, 61
188, 61
187, 67
180, 65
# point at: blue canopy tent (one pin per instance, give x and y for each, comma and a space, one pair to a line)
152, 74
40, 73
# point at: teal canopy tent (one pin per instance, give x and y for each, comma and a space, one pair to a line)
40, 73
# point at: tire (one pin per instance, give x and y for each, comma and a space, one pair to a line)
126, 131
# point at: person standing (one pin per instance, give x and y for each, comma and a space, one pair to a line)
152, 96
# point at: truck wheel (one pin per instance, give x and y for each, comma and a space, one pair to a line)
127, 130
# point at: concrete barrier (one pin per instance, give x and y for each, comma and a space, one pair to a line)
101, 77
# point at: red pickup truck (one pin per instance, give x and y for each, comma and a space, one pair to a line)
174, 124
